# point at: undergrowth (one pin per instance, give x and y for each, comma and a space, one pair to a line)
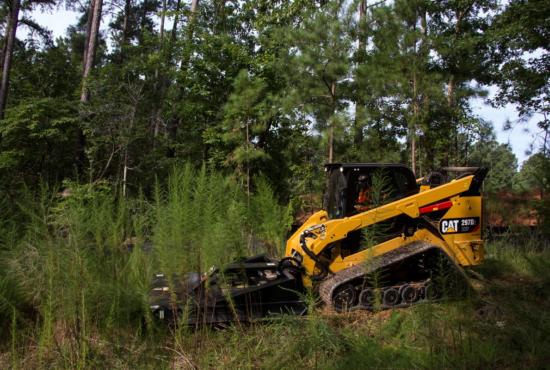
76, 265
75, 269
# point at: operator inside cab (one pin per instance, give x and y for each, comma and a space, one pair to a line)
363, 194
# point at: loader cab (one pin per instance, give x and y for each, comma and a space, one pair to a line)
388, 182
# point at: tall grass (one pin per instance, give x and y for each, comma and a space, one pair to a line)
70, 276
75, 272
203, 218
379, 194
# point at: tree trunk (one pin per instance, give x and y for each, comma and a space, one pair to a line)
190, 33
450, 91
412, 125
162, 19
331, 125
247, 163
89, 56
359, 102
164, 81
88, 31
159, 77
127, 10
176, 21
3, 43
415, 103
413, 150
127, 149
11, 30
142, 22
91, 50
453, 131
194, 4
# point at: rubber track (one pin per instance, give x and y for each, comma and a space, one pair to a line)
327, 287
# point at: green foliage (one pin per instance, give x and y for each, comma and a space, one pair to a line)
534, 174
204, 219
38, 138
44, 70
504, 326
272, 221
245, 119
521, 28
256, 88
199, 221
69, 273
319, 62
521, 63
534, 178
501, 162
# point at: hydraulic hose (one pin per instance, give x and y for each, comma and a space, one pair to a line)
313, 256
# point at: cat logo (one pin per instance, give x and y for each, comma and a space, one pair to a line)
449, 226
459, 225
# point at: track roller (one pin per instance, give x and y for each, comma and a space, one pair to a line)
390, 297
410, 293
431, 292
345, 297
367, 298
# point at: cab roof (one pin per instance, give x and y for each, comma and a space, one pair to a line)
330, 166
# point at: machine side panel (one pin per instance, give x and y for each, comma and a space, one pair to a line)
461, 227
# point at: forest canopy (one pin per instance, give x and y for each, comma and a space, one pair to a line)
265, 87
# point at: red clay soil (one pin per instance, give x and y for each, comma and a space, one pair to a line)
506, 209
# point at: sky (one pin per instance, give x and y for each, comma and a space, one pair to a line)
520, 137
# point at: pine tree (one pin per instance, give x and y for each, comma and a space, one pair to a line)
459, 40
245, 117
320, 64
9, 43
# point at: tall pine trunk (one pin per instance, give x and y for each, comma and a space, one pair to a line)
125, 25
92, 28
159, 78
331, 124
190, 32
194, 4
91, 49
89, 21
176, 22
142, 22
359, 101
11, 30
3, 43
162, 19
412, 125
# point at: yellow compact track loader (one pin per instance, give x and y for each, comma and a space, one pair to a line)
383, 239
